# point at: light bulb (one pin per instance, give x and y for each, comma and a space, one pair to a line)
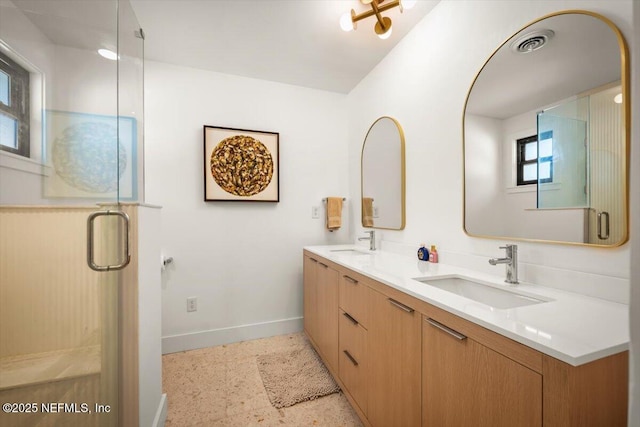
109, 54
345, 22
618, 98
408, 4
386, 35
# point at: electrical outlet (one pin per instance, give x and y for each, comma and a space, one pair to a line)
315, 212
376, 211
192, 304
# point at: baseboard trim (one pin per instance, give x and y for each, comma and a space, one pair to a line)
161, 414
194, 340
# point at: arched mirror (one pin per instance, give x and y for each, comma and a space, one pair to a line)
546, 135
383, 176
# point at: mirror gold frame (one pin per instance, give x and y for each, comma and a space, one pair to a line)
382, 168
626, 117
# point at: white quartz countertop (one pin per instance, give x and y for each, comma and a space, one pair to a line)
574, 328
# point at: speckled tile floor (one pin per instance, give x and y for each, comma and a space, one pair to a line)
221, 386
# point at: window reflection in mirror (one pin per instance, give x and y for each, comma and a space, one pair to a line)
383, 176
569, 182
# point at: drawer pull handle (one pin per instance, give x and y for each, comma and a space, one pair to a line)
348, 316
324, 265
350, 279
401, 306
354, 361
446, 329
313, 259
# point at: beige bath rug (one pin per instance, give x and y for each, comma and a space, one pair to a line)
295, 376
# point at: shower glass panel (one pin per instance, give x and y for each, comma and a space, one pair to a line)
130, 101
60, 331
563, 159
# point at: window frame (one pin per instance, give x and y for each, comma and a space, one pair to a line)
521, 162
19, 107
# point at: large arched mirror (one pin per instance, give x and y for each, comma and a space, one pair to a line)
383, 176
546, 135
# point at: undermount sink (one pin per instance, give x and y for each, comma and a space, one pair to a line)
350, 251
481, 292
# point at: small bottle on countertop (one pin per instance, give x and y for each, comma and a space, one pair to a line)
433, 254
423, 253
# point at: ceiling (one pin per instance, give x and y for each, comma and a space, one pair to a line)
297, 42
582, 55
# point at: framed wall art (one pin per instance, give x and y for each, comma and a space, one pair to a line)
241, 165
90, 156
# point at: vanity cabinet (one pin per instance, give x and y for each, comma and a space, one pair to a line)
401, 361
310, 300
321, 307
394, 344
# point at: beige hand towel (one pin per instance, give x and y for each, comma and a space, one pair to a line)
334, 213
367, 212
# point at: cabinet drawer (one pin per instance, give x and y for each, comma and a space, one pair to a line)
353, 360
354, 297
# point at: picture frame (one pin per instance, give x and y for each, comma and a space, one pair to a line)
241, 165
90, 156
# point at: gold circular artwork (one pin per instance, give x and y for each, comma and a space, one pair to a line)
241, 165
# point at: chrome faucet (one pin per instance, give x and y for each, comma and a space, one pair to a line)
371, 239
511, 261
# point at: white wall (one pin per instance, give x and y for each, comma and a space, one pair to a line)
149, 316
485, 190
242, 260
20, 178
634, 413
424, 82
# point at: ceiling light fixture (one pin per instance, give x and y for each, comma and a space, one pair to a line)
109, 54
383, 26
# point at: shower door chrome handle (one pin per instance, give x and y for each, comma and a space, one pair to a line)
606, 224
90, 241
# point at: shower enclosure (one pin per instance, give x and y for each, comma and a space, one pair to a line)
71, 158
581, 162
563, 160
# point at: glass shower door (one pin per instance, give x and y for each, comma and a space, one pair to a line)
61, 211
563, 156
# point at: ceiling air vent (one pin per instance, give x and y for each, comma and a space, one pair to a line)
531, 41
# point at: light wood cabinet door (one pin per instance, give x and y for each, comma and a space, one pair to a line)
327, 315
394, 362
465, 383
310, 301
